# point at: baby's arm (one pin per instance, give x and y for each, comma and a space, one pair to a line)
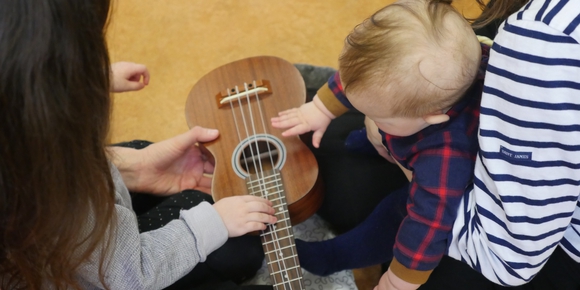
312, 116
128, 76
329, 103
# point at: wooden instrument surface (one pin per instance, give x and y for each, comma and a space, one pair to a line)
250, 117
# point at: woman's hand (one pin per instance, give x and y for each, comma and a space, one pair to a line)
168, 166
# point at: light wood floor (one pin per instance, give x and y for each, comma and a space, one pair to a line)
181, 40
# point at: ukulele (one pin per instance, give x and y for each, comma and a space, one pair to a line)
252, 157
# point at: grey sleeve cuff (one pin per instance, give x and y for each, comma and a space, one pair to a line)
208, 228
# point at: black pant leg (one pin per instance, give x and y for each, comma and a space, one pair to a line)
560, 273
451, 274
228, 285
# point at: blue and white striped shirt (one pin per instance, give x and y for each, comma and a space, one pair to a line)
524, 201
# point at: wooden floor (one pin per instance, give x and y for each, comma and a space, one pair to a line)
367, 278
181, 40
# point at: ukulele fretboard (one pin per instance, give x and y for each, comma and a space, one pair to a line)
277, 239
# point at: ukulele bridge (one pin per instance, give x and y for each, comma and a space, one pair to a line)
256, 88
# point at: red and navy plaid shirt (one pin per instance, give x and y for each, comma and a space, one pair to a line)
442, 159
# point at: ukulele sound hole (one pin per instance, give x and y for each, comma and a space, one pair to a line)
259, 156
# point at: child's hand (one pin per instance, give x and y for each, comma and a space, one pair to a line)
128, 76
312, 116
389, 281
244, 214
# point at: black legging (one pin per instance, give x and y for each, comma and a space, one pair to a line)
559, 273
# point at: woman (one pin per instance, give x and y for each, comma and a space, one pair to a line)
66, 219
519, 224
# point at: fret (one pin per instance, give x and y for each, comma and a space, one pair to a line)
267, 189
284, 219
263, 182
280, 249
278, 199
292, 280
288, 238
295, 268
276, 230
271, 174
289, 280
282, 255
291, 257
295, 284
281, 223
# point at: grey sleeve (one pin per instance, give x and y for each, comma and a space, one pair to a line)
155, 259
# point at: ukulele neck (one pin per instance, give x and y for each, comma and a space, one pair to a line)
278, 239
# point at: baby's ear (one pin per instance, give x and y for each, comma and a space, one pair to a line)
436, 118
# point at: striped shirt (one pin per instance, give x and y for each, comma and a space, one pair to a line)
524, 201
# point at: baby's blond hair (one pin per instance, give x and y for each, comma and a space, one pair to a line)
397, 48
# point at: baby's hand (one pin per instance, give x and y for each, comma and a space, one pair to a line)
390, 281
128, 76
244, 214
312, 116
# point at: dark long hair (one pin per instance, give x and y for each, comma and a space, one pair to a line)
497, 10
56, 190
492, 10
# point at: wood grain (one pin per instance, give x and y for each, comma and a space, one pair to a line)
244, 120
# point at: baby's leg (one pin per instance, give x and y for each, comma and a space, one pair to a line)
370, 243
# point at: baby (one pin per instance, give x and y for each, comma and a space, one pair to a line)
414, 68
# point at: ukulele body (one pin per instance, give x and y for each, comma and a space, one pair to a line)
247, 139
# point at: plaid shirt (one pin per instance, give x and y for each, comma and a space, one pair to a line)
442, 159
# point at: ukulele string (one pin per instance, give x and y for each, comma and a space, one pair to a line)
237, 126
279, 191
282, 198
244, 157
259, 167
262, 180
